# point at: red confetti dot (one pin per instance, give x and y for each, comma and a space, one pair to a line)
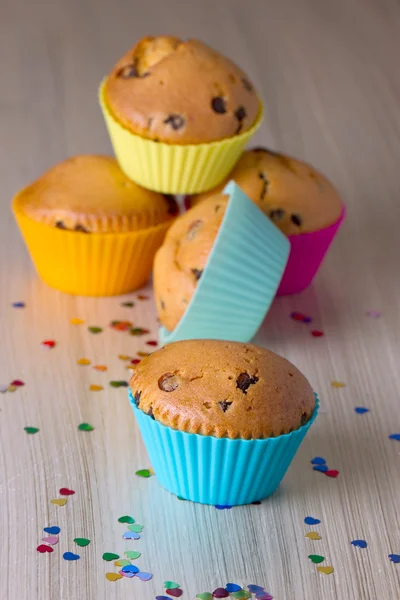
17, 383
297, 316
66, 492
44, 548
152, 343
176, 593
49, 343
135, 361
142, 297
331, 473
316, 333
121, 325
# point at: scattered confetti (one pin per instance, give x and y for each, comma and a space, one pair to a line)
95, 329
394, 436
374, 314
338, 384
54, 530
83, 361
76, 321
136, 528
171, 585
143, 354
331, 473
130, 569
174, 592
18, 305
131, 535
313, 535
122, 562
85, 427
66, 492
113, 576
126, 519
316, 558
142, 297
108, 556
255, 589
128, 304
121, 325
316, 333
51, 539
82, 541
144, 473
42, 548
143, 576
360, 410
70, 556
132, 554
17, 383
318, 460
311, 521
49, 344
139, 331
222, 506
59, 501
31, 429
95, 388
100, 367
118, 384
326, 570
152, 343
297, 316
220, 593
359, 543
233, 587
395, 558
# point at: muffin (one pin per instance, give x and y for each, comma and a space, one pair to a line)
180, 261
221, 420
299, 200
91, 230
179, 114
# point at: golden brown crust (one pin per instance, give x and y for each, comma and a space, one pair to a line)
180, 92
292, 193
223, 389
180, 261
92, 195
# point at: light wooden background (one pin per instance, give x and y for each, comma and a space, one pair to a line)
329, 75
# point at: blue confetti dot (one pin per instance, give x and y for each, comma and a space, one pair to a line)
232, 587
394, 436
318, 460
70, 556
52, 530
255, 589
311, 521
359, 543
395, 558
18, 304
222, 506
360, 410
321, 468
130, 569
163, 597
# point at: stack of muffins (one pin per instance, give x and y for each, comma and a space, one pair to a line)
179, 115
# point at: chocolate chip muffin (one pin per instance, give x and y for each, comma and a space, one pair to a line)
90, 194
180, 261
222, 389
181, 92
293, 194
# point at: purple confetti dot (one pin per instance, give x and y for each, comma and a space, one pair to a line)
311, 521
125, 574
255, 589
318, 460
143, 576
321, 468
264, 596
220, 593
360, 410
359, 543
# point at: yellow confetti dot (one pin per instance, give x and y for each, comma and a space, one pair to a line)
124, 357
12, 388
113, 576
83, 361
95, 388
130, 367
142, 354
59, 501
76, 321
338, 384
326, 570
313, 535
100, 367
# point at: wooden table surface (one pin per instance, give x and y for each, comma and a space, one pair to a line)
328, 73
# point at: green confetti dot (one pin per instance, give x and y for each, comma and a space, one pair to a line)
95, 329
82, 541
138, 331
241, 594
31, 429
132, 554
118, 384
316, 558
204, 596
136, 528
128, 304
122, 562
126, 519
144, 473
171, 585
108, 556
85, 427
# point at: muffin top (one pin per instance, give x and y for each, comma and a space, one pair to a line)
180, 92
180, 261
292, 193
90, 194
223, 389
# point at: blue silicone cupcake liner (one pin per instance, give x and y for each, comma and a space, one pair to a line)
214, 470
240, 279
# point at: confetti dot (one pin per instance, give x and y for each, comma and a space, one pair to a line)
118, 384
338, 384
143, 576
128, 575
66, 492
167, 598
131, 535
132, 554
109, 556
12, 388
139, 331
31, 430
83, 361
332, 473
233, 587
316, 558
313, 535
321, 468
360, 410
85, 427
51, 539
142, 297
152, 343
318, 460
82, 541
135, 361
76, 321
130, 569
241, 594
126, 519
128, 304
395, 558
325, 570
100, 368
264, 596
121, 325
359, 543
49, 344
297, 316
142, 354
311, 521
174, 592
70, 556
113, 576
316, 333
59, 501
124, 357
255, 589
394, 436
3, 388
374, 314
122, 562
171, 585
220, 593
223, 506
95, 388
202, 596
144, 473
18, 305
95, 329
136, 528
54, 530
17, 383
42, 548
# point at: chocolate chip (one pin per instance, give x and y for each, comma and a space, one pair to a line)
61, 225
176, 121
130, 71
244, 381
217, 207
218, 105
304, 419
173, 208
168, 382
197, 273
240, 113
247, 85
297, 220
81, 228
137, 398
265, 181
224, 405
276, 214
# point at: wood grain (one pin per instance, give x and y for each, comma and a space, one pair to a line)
328, 72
